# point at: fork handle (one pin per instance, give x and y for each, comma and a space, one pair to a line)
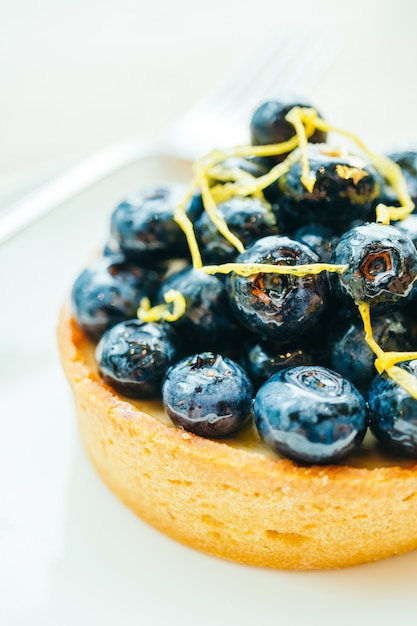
68, 184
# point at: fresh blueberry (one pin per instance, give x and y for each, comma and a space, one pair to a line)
351, 356
310, 414
208, 395
319, 238
208, 323
381, 266
269, 126
248, 218
143, 225
408, 226
407, 160
393, 412
345, 189
280, 307
109, 291
260, 359
133, 357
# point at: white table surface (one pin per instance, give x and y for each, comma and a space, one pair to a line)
77, 77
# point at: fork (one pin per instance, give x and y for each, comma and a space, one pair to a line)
292, 63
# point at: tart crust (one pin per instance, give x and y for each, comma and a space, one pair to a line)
236, 503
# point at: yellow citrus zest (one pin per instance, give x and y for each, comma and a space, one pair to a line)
386, 361
212, 210
186, 225
163, 312
300, 118
249, 269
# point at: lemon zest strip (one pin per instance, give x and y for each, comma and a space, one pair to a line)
212, 210
163, 312
248, 269
273, 149
263, 181
385, 361
388, 359
298, 117
403, 378
186, 225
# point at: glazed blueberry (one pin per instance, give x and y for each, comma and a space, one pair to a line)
109, 291
208, 323
268, 124
310, 414
280, 307
381, 266
248, 218
133, 357
408, 226
261, 359
345, 189
319, 238
143, 225
393, 412
208, 395
407, 160
351, 356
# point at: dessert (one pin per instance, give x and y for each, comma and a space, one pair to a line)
302, 486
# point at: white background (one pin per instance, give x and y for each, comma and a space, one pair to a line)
76, 77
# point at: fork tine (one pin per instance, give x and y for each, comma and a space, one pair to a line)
313, 66
221, 118
274, 57
294, 63
239, 83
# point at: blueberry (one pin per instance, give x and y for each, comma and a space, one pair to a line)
352, 357
133, 357
346, 188
280, 307
310, 414
268, 124
393, 412
143, 225
261, 359
208, 395
248, 218
109, 291
408, 226
381, 266
319, 238
407, 160
208, 323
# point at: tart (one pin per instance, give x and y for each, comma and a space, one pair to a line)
234, 499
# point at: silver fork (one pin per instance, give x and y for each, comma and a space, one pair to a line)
293, 63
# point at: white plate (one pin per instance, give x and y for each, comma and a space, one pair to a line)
70, 552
